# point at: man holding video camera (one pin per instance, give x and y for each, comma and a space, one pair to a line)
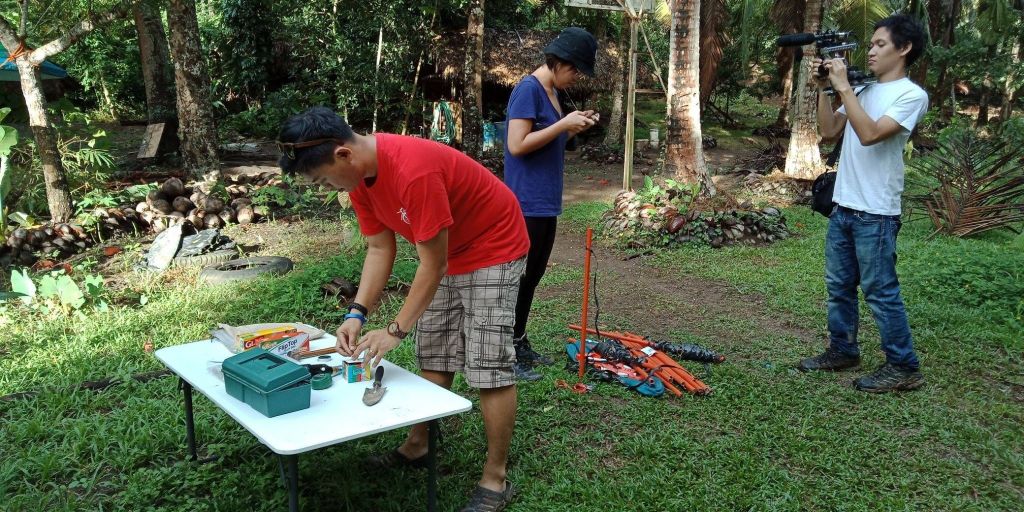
860, 246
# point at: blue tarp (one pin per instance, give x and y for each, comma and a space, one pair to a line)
9, 71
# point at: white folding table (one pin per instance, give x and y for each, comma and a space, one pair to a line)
335, 415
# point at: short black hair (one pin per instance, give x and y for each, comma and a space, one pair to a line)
905, 30
553, 60
315, 123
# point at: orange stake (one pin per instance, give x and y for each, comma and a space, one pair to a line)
586, 301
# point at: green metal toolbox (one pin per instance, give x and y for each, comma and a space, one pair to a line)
269, 383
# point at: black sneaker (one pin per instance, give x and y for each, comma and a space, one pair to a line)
830, 361
525, 372
890, 377
526, 353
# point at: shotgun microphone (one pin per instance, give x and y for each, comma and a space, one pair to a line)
796, 39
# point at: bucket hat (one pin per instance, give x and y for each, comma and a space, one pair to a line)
577, 47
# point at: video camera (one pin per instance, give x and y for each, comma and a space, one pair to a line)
829, 44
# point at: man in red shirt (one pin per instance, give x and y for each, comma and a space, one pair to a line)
471, 240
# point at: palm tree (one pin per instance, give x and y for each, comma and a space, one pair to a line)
788, 16
472, 95
615, 121
684, 153
804, 159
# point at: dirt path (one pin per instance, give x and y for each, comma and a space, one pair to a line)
709, 309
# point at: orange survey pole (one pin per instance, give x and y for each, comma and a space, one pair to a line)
586, 300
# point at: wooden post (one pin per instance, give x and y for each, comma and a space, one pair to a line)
627, 163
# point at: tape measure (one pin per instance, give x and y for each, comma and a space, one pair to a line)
322, 381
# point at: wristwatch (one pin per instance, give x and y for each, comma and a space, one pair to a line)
394, 330
359, 307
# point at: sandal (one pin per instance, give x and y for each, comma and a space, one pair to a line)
486, 500
395, 460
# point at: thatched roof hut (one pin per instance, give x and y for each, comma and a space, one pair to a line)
509, 55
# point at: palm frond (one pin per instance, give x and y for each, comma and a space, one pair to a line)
973, 184
859, 17
788, 15
714, 19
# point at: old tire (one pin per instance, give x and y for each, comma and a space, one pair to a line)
203, 260
244, 269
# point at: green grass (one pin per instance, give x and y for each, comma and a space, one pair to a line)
769, 438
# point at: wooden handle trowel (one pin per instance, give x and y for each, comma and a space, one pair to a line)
375, 392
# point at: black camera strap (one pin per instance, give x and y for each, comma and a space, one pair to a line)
833, 157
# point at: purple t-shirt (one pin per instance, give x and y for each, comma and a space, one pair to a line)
536, 178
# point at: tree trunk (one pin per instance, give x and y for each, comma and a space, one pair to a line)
684, 152
472, 93
157, 73
376, 78
986, 91
920, 72
614, 134
1011, 89
58, 196
416, 75
942, 88
788, 17
803, 159
196, 127
784, 64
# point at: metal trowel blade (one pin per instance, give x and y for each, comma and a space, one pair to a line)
375, 392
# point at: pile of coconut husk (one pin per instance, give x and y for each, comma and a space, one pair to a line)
174, 203
667, 220
779, 188
64, 239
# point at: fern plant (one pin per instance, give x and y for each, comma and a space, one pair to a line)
970, 183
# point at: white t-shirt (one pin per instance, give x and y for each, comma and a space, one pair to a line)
870, 178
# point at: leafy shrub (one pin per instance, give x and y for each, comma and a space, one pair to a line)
85, 154
101, 198
265, 120
57, 292
288, 195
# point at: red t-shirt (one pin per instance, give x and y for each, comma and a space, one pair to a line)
423, 187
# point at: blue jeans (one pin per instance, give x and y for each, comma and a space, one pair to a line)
860, 248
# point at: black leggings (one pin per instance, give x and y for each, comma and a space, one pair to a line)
542, 239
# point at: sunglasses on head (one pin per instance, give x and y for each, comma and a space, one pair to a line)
288, 148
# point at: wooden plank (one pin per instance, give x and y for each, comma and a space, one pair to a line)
612, 5
151, 141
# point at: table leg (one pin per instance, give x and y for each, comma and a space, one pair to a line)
190, 426
432, 466
291, 480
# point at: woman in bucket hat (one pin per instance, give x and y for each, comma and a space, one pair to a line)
537, 131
